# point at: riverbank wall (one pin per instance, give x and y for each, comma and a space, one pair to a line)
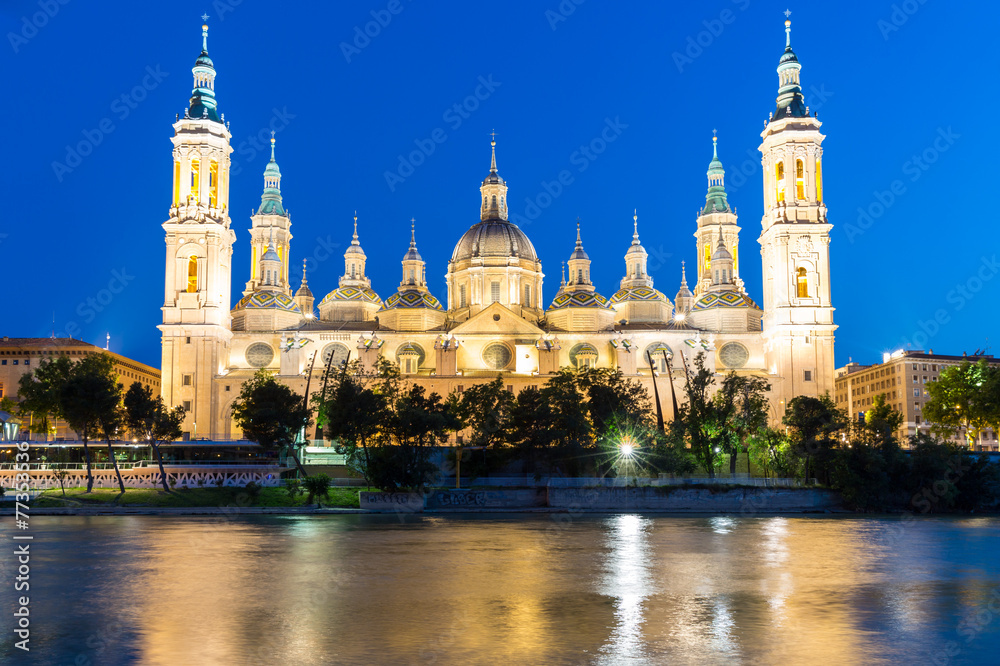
672, 499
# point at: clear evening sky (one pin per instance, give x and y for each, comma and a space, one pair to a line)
906, 91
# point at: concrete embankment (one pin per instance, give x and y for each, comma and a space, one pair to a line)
667, 499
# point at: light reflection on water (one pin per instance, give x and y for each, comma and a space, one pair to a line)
603, 589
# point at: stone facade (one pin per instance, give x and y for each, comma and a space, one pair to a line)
494, 318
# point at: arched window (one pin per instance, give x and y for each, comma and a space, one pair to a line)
494, 201
779, 180
800, 180
579, 275
802, 283
708, 257
352, 271
412, 279
819, 181
213, 183
527, 295
177, 182
192, 274
196, 179
461, 296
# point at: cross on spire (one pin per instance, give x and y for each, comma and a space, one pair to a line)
788, 12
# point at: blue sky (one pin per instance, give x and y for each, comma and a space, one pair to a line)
905, 91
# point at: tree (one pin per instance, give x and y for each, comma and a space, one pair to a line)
484, 408
416, 421
814, 422
106, 401
271, 414
529, 431
768, 448
963, 399
612, 396
148, 419
698, 415
88, 400
354, 414
40, 393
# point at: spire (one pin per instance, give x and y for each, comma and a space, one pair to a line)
354, 238
413, 254
493, 157
304, 289
270, 200
203, 104
791, 102
635, 227
715, 200
563, 282
684, 279
494, 189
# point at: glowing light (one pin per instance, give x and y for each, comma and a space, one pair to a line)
679, 316
627, 450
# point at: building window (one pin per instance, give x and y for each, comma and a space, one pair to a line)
916, 393
527, 295
187, 405
808, 375
461, 296
27, 361
186, 380
916, 406
15, 361
192, 284
227, 388
195, 179
188, 340
914, 379
494, 292
802, 283
779, 178
460, 388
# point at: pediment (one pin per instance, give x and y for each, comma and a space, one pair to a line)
497, 319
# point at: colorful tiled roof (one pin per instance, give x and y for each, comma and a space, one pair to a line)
724, 299
352, 294
265, 300
578, 299
637, 294
412, 298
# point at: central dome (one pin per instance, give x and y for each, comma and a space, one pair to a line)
494, 238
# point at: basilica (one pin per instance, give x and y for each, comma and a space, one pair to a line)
495, 317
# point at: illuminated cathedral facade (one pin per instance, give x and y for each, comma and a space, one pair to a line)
495, 317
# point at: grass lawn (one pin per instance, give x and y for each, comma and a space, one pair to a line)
191, 497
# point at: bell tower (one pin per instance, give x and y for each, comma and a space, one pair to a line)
798, 323
196, 328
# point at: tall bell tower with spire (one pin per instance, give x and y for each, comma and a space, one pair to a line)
716, 217
798, 326
271, 224
196, 329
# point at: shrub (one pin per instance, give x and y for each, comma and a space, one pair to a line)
293, 487
253, 490
316, 486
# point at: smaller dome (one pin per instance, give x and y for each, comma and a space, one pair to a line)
412, 298
578, 299
270, 254
204, 61
729, 298
721, 253
363, 294
637, 294
304, 290
266, 300
412, 255
788, 56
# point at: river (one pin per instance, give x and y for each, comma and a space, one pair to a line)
507, 589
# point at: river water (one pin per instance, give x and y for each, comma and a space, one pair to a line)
508, 589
